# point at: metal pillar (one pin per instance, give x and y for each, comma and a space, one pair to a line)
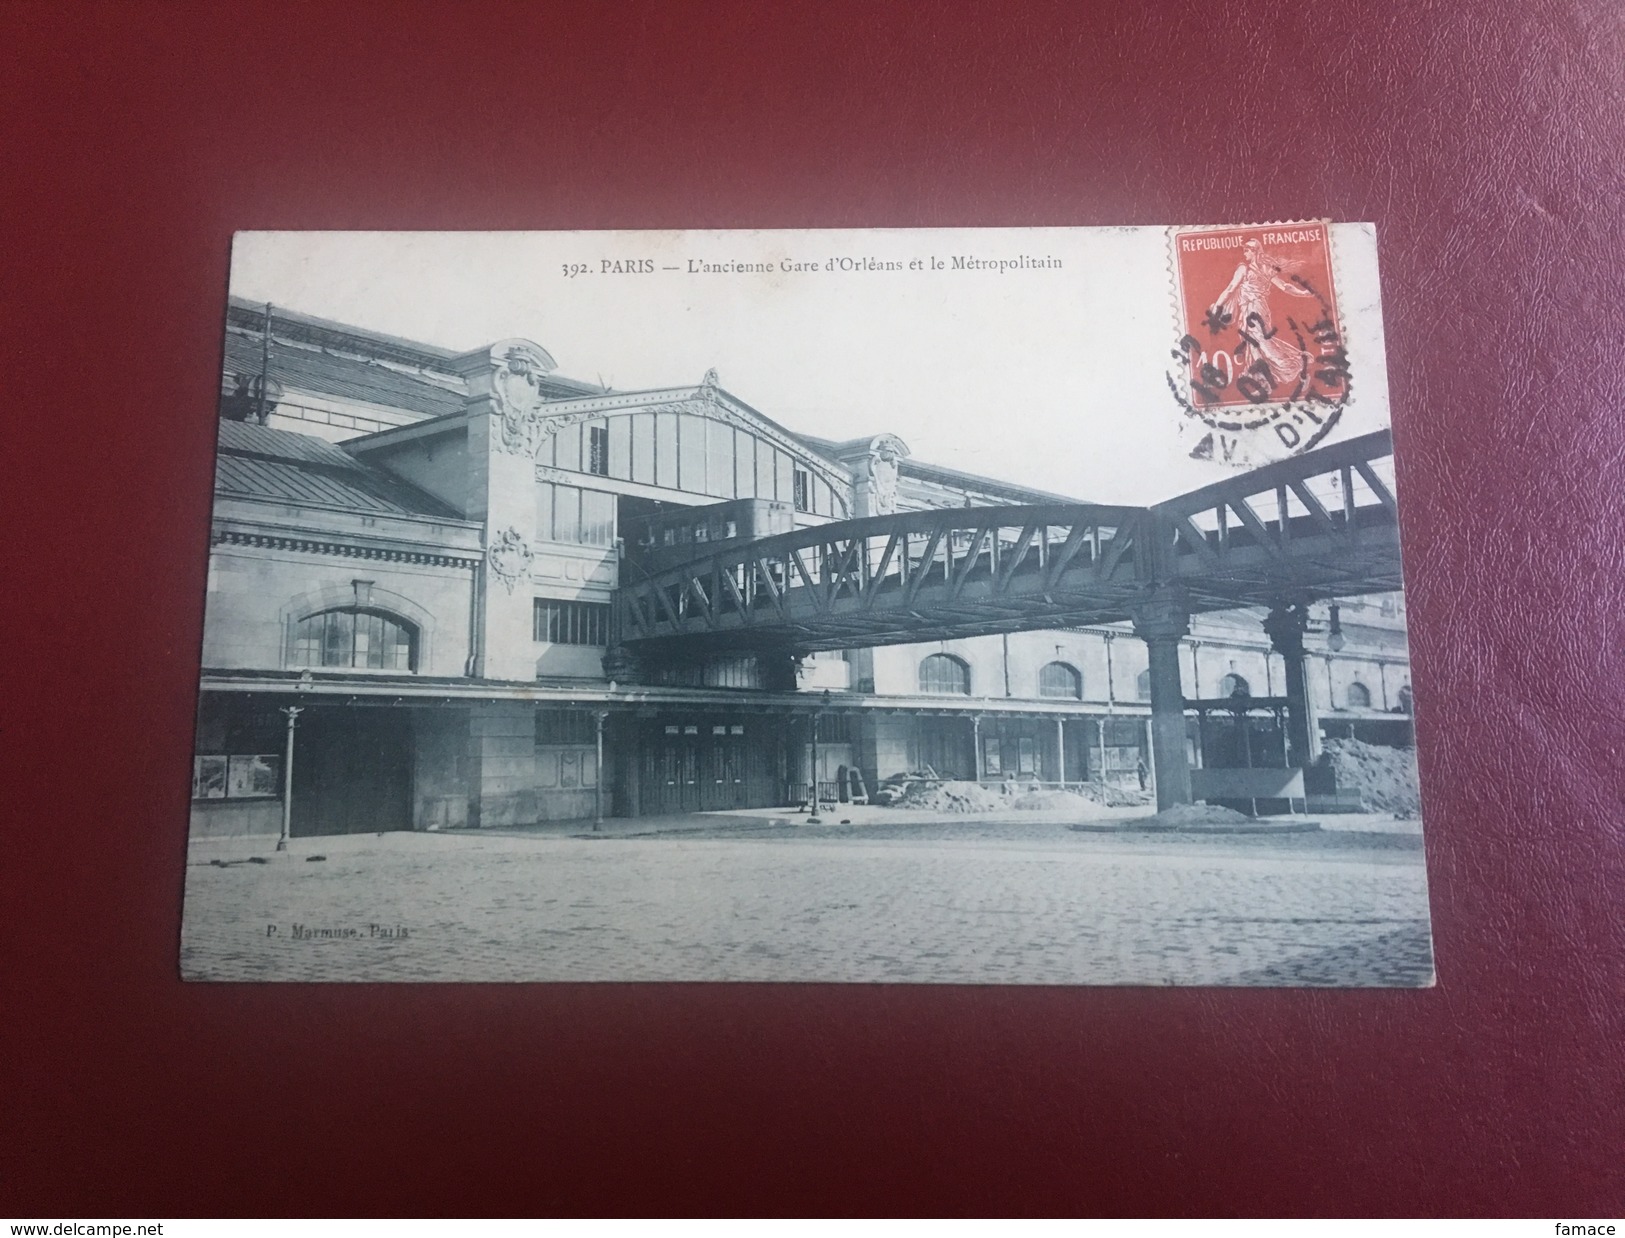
1285, 627
291, 712
1060, 750
1162, 623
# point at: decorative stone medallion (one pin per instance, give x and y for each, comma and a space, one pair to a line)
510, 557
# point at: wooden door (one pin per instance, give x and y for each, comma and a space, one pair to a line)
672, 769
352, 771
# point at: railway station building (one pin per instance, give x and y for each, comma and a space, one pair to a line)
449, 578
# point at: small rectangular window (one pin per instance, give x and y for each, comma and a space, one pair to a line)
544, 511
597, 518
744, 465
566, 514
620, 447
764, 470
666, 450
720, 459
782, 470
565, 726
803, 491
691, 453
568, 447
643, 447
571, 623
598, 450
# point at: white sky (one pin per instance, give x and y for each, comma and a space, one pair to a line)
1048, 378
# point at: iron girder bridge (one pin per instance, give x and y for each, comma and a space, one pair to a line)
1316, 526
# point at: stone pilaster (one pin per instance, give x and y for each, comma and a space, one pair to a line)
502, 764
506, 427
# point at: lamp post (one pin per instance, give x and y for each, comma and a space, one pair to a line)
1335, 640
598, 783
291, 712
823, 704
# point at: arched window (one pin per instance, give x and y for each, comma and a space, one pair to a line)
1060, 680
1359, 696
1142, 686
942, 674
1234, 685
1407, 702
352, 636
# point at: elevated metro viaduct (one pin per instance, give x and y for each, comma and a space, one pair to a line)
1319, 526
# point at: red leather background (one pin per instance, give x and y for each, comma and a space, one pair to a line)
1487, 143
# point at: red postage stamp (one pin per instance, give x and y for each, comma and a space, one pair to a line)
1262, 365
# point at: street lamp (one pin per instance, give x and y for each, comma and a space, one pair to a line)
1334, 629
291, 712
598, 782
823, 704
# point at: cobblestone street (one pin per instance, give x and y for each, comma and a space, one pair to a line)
957, 903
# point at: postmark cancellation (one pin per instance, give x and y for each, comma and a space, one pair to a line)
1260, 369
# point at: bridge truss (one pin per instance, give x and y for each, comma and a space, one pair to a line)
1320, 525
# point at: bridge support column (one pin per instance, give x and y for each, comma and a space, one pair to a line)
1162, 623
1285, 626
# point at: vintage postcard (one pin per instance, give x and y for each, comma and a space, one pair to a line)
972, 606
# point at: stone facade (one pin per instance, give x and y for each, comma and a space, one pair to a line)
441, 535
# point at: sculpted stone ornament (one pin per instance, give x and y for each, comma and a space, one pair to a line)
510, 557
621, 665
884, 453
516, 390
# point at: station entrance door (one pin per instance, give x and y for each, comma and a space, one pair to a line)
707, 764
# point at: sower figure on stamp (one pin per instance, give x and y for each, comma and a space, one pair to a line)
1246, 301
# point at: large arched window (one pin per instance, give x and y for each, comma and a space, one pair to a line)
1059, 679
1359, 696
1234, 685
353, 636
942, 674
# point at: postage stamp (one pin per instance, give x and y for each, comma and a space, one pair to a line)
1262, 371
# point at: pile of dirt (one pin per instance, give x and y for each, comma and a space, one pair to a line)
1128, 797
1079, 806
1048, 800
952, 797
1384, 778
1184, 816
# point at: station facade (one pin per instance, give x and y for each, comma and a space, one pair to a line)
417, 552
